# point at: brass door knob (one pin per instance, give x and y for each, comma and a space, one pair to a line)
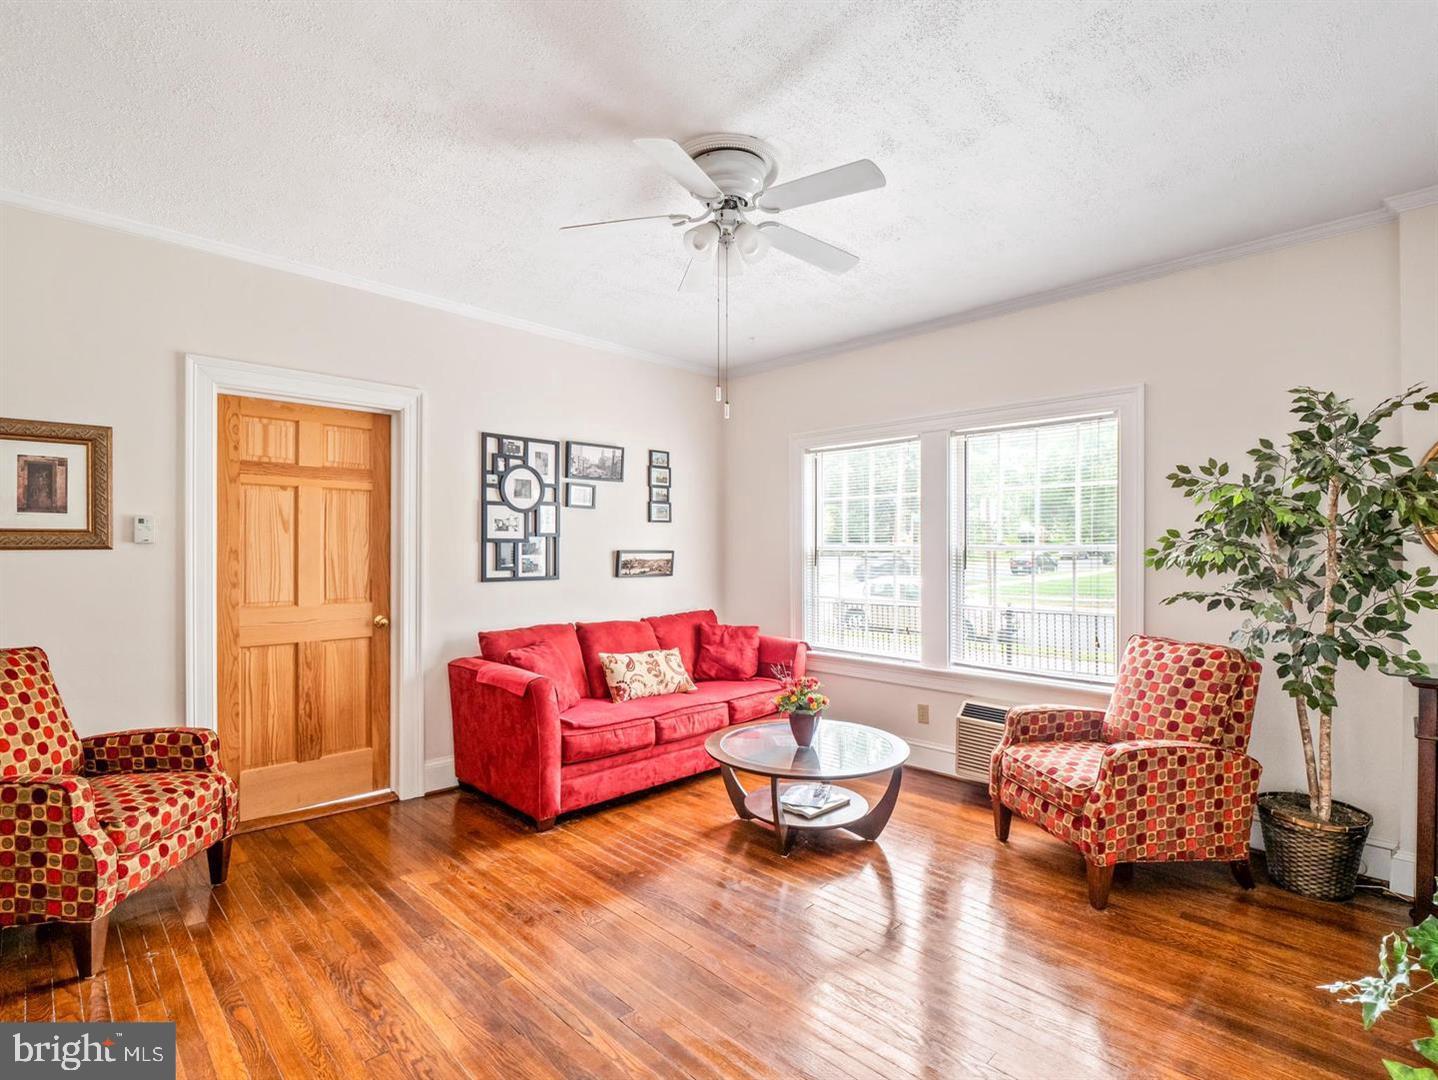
381, 621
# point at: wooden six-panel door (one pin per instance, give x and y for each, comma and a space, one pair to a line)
303, 614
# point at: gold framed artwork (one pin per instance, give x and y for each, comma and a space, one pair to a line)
1430, 536
54, 485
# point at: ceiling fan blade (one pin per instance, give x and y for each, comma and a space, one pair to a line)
670, 156
674, 219
835, 183
809, 249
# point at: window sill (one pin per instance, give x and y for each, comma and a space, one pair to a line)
958, 680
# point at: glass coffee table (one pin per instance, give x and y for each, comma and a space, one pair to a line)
841, 751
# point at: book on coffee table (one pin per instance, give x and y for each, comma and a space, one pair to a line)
812, 800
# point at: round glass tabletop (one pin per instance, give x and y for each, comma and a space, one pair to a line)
840, 750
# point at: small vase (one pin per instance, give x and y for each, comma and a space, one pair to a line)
804, 725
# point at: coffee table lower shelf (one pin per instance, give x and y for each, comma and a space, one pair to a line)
857, 816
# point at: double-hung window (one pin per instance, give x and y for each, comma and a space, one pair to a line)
1035, 548
862, 587
1006, 541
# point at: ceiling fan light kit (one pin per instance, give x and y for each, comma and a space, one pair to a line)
733, 176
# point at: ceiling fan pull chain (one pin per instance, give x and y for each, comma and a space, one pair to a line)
718, 343
726, 328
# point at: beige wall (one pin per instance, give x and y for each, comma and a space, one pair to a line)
1216, 348
94, 326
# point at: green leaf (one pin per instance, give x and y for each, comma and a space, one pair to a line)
1399, 1071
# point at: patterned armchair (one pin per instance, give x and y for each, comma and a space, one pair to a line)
1162, 775
86, 822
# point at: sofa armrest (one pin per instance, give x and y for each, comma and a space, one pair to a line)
1044, 723
781, 658
1160, 800
175, 749
506, 734
63, 867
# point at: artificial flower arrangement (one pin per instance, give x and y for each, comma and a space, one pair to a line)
801, 695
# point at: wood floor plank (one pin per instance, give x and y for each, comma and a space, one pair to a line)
658, 936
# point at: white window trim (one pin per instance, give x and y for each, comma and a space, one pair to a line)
933, 431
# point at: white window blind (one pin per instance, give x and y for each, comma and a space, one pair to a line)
1034, 532
862, 590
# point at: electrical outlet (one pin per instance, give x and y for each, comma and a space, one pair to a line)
923, 714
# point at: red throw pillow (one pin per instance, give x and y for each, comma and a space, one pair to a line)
727, 652
543, 658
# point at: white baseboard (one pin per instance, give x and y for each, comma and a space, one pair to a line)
933, 757
439, 773
1403, 873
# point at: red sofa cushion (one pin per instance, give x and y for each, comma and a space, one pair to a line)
496, 644
746, 699
727, 652
544, 658
675, 716
588, 743
686, 723
681, 632
611, 637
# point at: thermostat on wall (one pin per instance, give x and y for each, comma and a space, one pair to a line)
144, 529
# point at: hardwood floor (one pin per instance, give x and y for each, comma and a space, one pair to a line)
661, 937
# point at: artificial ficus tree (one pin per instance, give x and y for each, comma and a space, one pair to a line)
1309, 547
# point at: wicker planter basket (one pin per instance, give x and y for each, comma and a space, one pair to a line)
1312, 858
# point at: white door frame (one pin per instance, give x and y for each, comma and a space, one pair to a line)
206, 378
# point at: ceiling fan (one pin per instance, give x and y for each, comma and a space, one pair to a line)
733, 176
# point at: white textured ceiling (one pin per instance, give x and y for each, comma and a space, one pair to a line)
437, 147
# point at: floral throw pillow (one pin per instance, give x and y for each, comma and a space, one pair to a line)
645, 674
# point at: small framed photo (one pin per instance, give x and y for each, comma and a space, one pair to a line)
504, 555
511, 447
659, 457
579, 496
658, 476
532, 566
54, 485
544, 459
659, 495
491, 479
503, 523
594, 461
546, 520
632, 564
659, 511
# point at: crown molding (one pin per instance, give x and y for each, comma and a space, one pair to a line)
1389, 211
1307, 234
1412, 200
116, 223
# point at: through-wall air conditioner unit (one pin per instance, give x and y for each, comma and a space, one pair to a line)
978, 729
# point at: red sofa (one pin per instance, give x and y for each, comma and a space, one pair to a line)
512, 742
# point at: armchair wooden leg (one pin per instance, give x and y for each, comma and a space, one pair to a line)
1242, 872
1003, 816
544, 824
1100, 880
219, 855
88, 939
